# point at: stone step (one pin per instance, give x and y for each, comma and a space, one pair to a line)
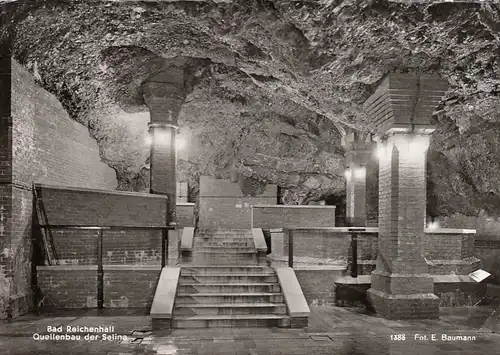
229, 261
217, 237
229, 278
240, 287
224, 257
225, 231
229, 269
224, 297
215, 245
224, 250
230, 309
231, 321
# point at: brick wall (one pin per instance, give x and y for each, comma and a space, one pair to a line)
76, 286
69, 205
68, 287
372, 192
130, 287
65, 205
50, 147
283, 216
318, 285
185, 214
39, 142
222, 204
332, 245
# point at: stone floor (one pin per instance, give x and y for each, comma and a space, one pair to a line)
331, 330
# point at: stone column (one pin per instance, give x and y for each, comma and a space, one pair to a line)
401, 109
164, 94
358, 148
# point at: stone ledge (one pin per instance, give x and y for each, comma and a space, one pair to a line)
163, 302
100, 191
467, 261
339, 229
67, 267
349, 280
187, 239
259, 240
449, 231
293, 206
294, 297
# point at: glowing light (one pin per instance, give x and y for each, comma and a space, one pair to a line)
360, 173
347, 173
381, 151
180, 143
418, 144
148, 139
163, 138
433, 225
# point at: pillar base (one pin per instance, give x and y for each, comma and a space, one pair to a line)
398, 307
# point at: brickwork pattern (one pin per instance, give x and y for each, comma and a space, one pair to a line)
68, 289
38, 142
130, 288
90, 207
283, 216
222, 204
185, 215
372, 192
318, 286
48, 145
402, 208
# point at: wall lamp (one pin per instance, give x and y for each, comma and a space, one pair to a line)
163, 138
357, 173
407, 145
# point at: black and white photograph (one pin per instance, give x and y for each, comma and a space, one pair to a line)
249, 177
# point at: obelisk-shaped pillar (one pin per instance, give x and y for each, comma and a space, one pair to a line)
401, 109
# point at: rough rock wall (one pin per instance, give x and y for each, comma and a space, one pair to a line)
274, 79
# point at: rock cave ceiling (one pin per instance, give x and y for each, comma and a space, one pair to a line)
274, 83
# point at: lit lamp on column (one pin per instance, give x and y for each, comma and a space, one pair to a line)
163, 163
401, 286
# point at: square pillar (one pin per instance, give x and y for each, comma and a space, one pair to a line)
401, 109
359, 171
164, 94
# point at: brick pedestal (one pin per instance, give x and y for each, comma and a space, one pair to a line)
164, 94
401, 108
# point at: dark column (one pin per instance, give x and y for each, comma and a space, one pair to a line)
164, 94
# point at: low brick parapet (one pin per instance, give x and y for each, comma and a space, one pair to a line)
450, 251
75, 286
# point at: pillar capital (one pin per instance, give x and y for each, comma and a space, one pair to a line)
405, 102
355, 140
401, 109
164, 94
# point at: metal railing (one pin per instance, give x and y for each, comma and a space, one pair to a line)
353, 231
101, 229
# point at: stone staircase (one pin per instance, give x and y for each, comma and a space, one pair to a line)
226, 283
